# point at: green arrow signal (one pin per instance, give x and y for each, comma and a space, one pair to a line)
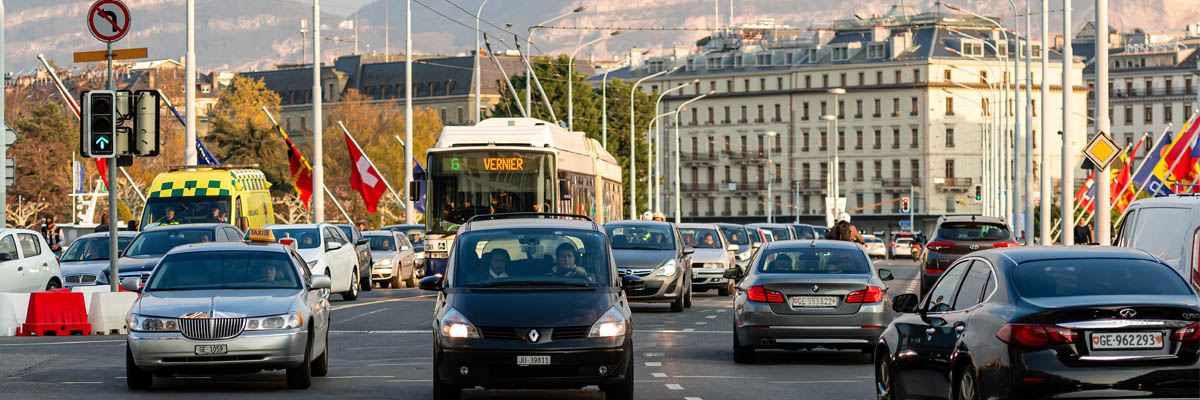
102, 141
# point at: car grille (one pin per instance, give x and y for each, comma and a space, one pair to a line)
498, 332
81, 278
143, 276
212, 359
571, 332
511, 333
636, 271
211, 328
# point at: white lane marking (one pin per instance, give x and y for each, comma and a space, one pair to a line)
701, 323
654, 354
653, 363
358, 377
58, 343
711, 316
689, 329
658, 374
363, 315
83, 383
674, 386
395, 364
385, 332
795, 382
692, 398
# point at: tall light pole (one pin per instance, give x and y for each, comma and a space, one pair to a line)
837, 111
1029, 137
1044, 157
1103, 203
189, 152
1019, 133
603, 109
633, 140
770, 177
1068, 173
478, 73
410, 216
571, 71
678, 170
656, 172
529, 49
829, 177
318, 200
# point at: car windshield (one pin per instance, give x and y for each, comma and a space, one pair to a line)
531, 257
306, 238
809, 260
754, 235
211, 270
700, 238
415, 235
641, 237
736, 235
92, 248
185, 210
973, 231
804, 232
382, 243
158, 242
1096, 277
778, 233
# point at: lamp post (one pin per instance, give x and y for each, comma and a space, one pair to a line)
478, 73
655, 192
633, 141
1068, 171
829, 178
571, 71
770, 177
678, 199
837, 109
529, 48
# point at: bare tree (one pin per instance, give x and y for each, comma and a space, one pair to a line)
290, 210
23, 214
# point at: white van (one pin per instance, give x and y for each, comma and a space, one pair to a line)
1167, 228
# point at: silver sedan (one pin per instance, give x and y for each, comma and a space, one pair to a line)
801, 295
226, 307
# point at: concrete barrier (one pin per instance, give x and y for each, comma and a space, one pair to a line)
13, 307
108, 312
87, 294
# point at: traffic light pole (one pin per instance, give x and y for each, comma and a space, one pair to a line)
113, 283
912, 196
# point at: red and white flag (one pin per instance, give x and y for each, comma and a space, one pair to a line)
364, 178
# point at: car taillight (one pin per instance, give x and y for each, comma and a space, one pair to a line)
869, 295
933, 271
1005, 244
1188, 333
762, 295
1033, 335
939, 246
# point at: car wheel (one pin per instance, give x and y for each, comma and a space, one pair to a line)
967, 388
53, 285
624, 389
442, 390
326, 292
742, 354
353, 293
300, 377
412, 279
385, 284
687, 299
395, 281
320, 366
136, 378
886, 385
365, 282
677, 304
724, 291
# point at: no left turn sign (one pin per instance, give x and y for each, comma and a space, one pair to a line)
108, 20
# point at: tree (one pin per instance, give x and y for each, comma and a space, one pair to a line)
289, 209
552, 73
23, 214
241, 134
42, 155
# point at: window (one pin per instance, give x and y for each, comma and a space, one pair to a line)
858, 109
949, 105
878, 171
841, 139
727, 144
727, 179
972, 48
1187, 85
1167, 117
743, 119
762, 84
1128, 115
878, 139
949, 168
726, 119
914, 141
1167, 85
779, 81
897, 77
824, 110
693, 116
1149, 113
841, 54
878, 77
949, 138
804, 141
915, 166
878, 107
858, 175
807, 172
858, 140
1149, 88
1187, 109
460, 115
31, 246
778, 112
710, 115
915, 106
878, 199
808, 82
824, 141
896, 172
841, 171
804, 111
875, 51
729, 86
987, 110
862, 80
941, 297
760, 114
745, 85
824, 80
916, 75
842, 82
983, 77
972, 291
895, 106
946, 75
895, 138
696, 87
841, 109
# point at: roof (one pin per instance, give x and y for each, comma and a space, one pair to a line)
970, 218
637, 222
1035, 253
120, 233
697, 225
229, 246
379, 233
524, 223
296, 226
208, 225
807, 243
768, 225
404, 226
1186, 200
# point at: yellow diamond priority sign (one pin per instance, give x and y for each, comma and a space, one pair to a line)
1101, 150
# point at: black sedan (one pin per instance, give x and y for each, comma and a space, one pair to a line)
1045, 322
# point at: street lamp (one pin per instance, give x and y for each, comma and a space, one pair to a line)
656, 150
633, 141
770, 177
478, 73
529, 48
837, 109
830, 178
571, 71
678, 201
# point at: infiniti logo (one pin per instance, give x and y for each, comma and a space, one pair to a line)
974, 247
534, 335
816, 288
1127, 313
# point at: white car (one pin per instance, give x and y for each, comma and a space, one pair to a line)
328, 252
1167, 228
902, 247
26, 263
875, 246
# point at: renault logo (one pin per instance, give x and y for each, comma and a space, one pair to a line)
534, 336
816, 288
1127, 313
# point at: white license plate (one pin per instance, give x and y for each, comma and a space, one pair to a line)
1127, 340
429, 254
814, 301
437, 245
533, 360
211, 349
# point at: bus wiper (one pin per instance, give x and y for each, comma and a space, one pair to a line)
533, 283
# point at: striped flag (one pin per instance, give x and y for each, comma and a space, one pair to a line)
419, 205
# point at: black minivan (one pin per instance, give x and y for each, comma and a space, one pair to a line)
532, 301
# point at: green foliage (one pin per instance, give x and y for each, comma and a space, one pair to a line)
241, 134
42, 155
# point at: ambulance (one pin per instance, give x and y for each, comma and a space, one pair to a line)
232, 194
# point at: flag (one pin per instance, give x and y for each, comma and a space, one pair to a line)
102, 167
1144, 178
203, 156
1124, 195
1195, 162
301, 171
1162, 182
1185, 167
364, 177
78, 177
1083, 198
419, 205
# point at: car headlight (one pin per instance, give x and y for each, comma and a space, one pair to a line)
387, 262
611, 324
282, 321
667, 269
141, 323
455, 325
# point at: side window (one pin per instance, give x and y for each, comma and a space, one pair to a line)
303, 268
30, 246
941, 298
1124, 234
329, 236
234, 234
8, 248
973, 286
1157, 230
403, 240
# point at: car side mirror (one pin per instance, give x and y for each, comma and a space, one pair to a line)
905, 303
687, 251
632, 282
361, 242
331, 246
320, 282
734, 247
432, 283
733, 273
131, 284
886, 274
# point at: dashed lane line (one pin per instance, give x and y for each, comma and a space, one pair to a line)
363, 315
692, 398
653, 363
416, 298
654, 354
658, 374
673, 386
710, 316
808, 382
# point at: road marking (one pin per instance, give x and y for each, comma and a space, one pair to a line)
692, 398
715, 377
363, 315
58, 343
796, 382
407, 380
385, 332
355, 377
658, 374
653, 363
710, 316
379, 301
689, 329
83, 383
395, 364
674, 386
654, 354
701, 323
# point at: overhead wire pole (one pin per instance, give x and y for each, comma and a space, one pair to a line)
368, 158
571, 72
656, 172
318, 148
512, 89
1068, 173
546, 99
633, 140
1018, 142
1103, 191
675, 145
1029, 136
1044, 156
189, 128
529, 45
478, 74
409, 216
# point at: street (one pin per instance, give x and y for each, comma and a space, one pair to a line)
381, 347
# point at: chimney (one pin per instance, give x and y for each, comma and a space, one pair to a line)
635, 58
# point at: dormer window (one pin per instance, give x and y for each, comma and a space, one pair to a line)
691, 64
1002, 49
876, 51
841, 54
714, 62
812, 56
971, 48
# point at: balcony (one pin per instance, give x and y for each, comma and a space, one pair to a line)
954, 184
900, 183
744, 186
693, 158
809, 185
698, 187
746, 157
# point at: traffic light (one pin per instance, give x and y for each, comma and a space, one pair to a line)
978, 193
99, 124
904, 207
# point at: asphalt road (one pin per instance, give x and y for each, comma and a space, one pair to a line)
381, 347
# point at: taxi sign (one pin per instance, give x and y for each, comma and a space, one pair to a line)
1101, 150
260, 235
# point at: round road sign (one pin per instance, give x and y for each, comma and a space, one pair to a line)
108, 20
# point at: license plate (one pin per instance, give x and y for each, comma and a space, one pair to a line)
437, 245
533, 360
1127, 340
814, 301
211, 349
431, 254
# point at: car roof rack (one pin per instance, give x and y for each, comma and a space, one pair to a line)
520, 215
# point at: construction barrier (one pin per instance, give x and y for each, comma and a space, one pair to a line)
87, 294
56, 314
107, 315
12, 312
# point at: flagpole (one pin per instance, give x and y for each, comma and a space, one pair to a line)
364, 154
338, 204
1142, 186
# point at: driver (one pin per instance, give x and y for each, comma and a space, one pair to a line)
168, 219
497, 262
565, 265
708, 240
308, 240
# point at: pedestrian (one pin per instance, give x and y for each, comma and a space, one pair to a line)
103, 227
843, 230
52, 233
1083, 233
131, 225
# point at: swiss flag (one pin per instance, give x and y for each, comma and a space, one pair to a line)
364, 178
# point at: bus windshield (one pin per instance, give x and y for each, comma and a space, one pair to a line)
185, 210
466, 184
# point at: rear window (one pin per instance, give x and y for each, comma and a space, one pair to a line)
813, 261
778, 233
1096, 277
872, 240
804, 232
973, 231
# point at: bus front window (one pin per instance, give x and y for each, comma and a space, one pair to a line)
466, 184
185, 210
